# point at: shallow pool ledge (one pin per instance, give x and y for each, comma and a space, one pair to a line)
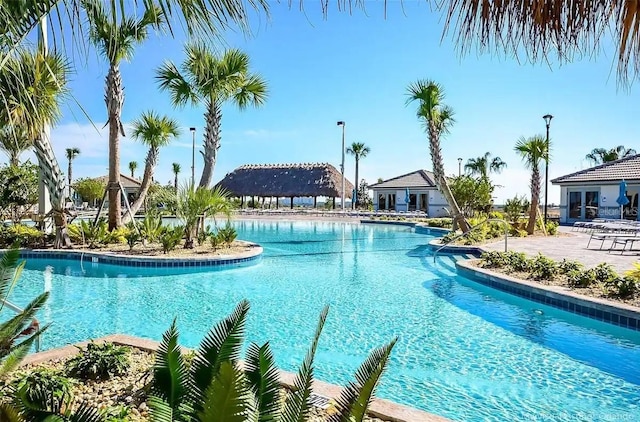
103, 257
379, 408
616, 313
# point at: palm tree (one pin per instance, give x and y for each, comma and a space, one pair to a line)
155, 131
484, 165
205, 78
358, 150
437, 119
133, 165
601, 155
116, 40
32, 86
71, 154
194, 204
176, 170
533, 151
13, 142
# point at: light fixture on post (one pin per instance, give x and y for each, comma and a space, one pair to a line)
459, 167
547, 120
193, 157
343, 124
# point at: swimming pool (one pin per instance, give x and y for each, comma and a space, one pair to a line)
466, 352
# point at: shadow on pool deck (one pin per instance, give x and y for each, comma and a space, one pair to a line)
572, 245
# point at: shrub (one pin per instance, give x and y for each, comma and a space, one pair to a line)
151, 226
171, 237
202, 235
494, 259
132, 236
88, 233
566, 266
99, 361
228, 234
604, 273
552, 228
215, 240
621, 286
44, 383
438, 222
515, 207
518, 261
577, 278
517, 232
543, 268
25, 236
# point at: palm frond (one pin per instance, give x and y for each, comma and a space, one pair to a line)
170, 375
161, 411
9, 413
170, 79
221, 344
227, 398
18, 352
297, 405
263, 378
354, 400
9, 272
11, 329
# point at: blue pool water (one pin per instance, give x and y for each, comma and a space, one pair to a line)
465, 351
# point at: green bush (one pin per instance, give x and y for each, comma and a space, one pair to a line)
151, 226
171, 237
543, 268
577, 278
517, 232
445, 223
515, 207
44, 383
132, 236
518, 261
566, 266
99, 361
25, 236
604, 273
203, 235
494, 259
621, 286
227, 234
215, 240
552, 228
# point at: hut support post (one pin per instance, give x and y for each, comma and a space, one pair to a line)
292, 202
334, 202
277, 202
315, 202
242, 202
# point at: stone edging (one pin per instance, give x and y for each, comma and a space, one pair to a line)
379, 408
392, 222
147, 261
620, 314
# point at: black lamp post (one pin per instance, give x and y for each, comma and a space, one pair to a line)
459, 167
547, 119
343, 124
193, 157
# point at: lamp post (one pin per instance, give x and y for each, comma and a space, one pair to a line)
343, 124
193, 157
459, 167
547, 119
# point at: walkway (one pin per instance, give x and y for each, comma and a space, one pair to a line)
570, 245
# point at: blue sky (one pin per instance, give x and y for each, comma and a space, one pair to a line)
356, 68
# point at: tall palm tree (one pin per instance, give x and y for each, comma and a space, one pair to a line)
534, 152
133, 165
484, 165
32, 85
155, 131
13, 142
116, 38
71, 154
358, 150
601, 155
437, 119
205, 78
176, 170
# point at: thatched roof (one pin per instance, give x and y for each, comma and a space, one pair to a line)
321, 179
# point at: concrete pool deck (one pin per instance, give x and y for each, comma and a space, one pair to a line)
571, 245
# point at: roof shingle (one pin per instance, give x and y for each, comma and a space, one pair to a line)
417, 179
626, 168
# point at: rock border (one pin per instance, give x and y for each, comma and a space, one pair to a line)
379, 408
563, 298
138, 261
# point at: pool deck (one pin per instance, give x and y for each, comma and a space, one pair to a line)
572, 245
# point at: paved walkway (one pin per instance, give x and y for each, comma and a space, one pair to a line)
571, 245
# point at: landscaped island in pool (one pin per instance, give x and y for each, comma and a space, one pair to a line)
465, 351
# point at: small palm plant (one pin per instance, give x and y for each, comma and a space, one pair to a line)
217, 387
196, 204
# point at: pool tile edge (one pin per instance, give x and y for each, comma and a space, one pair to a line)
379, 408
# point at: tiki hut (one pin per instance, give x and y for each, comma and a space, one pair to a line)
286, 180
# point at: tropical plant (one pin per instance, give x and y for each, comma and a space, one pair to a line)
363, 199
99, 361
25, 236
227, 234
215, 240
472, 194
96, 234
20, 331
207, 79
358, 150
171, 237
601, 155
155, 131
515, 207
133, 166
216, 387
151, 226
176, 168
437, 119
116, 38
484, 165
534, 151
90, 190
44, 382
18, 190
196, 204
71, 154
13, 142
133, 235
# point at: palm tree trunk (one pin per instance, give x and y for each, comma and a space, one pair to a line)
356, 184
175, 182
69, 174
535, 199
212, 133
114, 98
441, 179
14, 160
54, 180
149, 168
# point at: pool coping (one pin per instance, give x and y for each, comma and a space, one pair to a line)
435, 245
379, 408
105, 257
620, 314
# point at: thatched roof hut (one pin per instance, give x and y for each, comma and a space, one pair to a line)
286, 180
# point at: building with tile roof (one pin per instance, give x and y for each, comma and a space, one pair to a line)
592, 193
423, 195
